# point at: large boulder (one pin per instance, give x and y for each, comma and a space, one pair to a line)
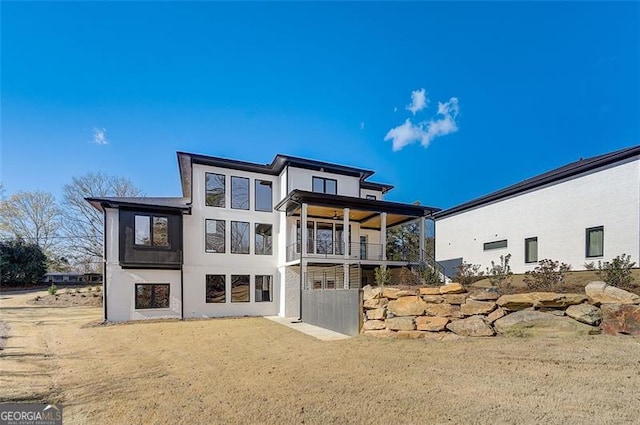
376, 314
620, 319
436, 299
430, 291
535, 323
484, 294
432, 324
408, 292
373, 325
473, 307
516, 302
375, 303
442, 310
585, 313
452, 288
401, 324
496, 314
369, 292
601, 293
471, 326
456, 299
407, 306
390, 292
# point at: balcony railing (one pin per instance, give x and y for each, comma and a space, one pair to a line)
336, 249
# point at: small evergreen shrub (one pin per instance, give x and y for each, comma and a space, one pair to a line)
52, 289
547, 275
382, 275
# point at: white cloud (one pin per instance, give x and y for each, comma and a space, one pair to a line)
100, 136
395, 109
418, 101
362, 125
424, 132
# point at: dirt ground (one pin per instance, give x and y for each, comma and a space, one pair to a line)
69, 297
251, 370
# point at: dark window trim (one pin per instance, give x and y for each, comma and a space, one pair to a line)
224, 238
371, 197
488, 246
587, 238
224, 278
255, 287
526, 250
248, 284
248, 193
255, 195
231, 237
151, 245
224, 198
324, 184
255, 238
153, 292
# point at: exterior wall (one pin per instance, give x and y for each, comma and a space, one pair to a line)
301, 179
338, 310
198, 263
120, 283
376, 193
557, 214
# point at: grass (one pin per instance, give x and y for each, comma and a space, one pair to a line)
251, 370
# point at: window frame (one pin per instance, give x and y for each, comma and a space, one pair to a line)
236, 178
224, 286
527, 250
258, 183
255, 239
371, 197
224, 190
324, 184
224, 236
248, 283
587, 241
231, 248
487, 246
153, 307
270, 288
151, 244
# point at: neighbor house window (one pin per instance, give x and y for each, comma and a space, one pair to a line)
323, 185
214, 236
264, 239
595, 241
215, 291
531, 250
239, 193
239, 237
495, 245
215, 190
239, 288
151, 230
152, 295
264, 196
264, 288
372, 197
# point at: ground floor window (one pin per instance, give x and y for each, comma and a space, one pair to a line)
595, 242
264, 288
215, 291
531, 250
152, 295
239, 288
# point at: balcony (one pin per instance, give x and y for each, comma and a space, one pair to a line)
336, 249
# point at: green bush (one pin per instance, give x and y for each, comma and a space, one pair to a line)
547, 275
500, 274
52, 289
617, 272
468, 273
382, 275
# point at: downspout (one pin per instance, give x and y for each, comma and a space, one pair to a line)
104, 263
301, 251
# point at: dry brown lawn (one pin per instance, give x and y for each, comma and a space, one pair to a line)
256, 371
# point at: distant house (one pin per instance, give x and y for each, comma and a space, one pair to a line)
585, 211
72, 278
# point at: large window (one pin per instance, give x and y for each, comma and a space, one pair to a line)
151, 230
215, 190
214, 238
323, 185
324, 238
239, 237
495, 245
239, 193
215, 291
152, 295
239, 288
595, 241
264, 239
531, 250
264, 288
264, 197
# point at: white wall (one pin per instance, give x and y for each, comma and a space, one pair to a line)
558, 215
376, 193
300, 178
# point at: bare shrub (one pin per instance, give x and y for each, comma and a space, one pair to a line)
547, 275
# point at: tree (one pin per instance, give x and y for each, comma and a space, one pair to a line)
21, 263
403, 241
32, 216
83, 224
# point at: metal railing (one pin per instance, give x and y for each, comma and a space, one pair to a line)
335, 249
332, 278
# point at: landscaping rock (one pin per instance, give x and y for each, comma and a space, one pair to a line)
391, 293
376, 314
431, 324
410, 334
455, 298
452, 288
496, 314
442, 310
380, 334
401, 324
554, 311
430, 291
552, 299
408, 292
471, 326
371, 325
515, 302
536, 323
375, 303
585, 313
369, 292
407, 306
620, 319
435, 299
473, 307
485, 294
601, 293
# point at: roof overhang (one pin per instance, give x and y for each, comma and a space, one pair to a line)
101, 203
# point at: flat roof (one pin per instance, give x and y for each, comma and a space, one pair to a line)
164, 203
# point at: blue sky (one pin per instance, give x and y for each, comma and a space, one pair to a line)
521, 88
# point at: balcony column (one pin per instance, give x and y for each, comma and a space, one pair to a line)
303, 230
345, 247
422, 230
383, 235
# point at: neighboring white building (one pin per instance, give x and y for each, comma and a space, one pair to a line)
586, 211
232, 245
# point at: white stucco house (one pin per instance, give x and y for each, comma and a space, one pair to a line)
583, 212
247, 238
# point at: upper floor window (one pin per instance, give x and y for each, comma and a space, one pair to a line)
215, 190
239, 237
151, 230
214, 236
531, 250
495, 245
264, 195
595, 242
264, 239
323, 185
239, 193
372, 197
